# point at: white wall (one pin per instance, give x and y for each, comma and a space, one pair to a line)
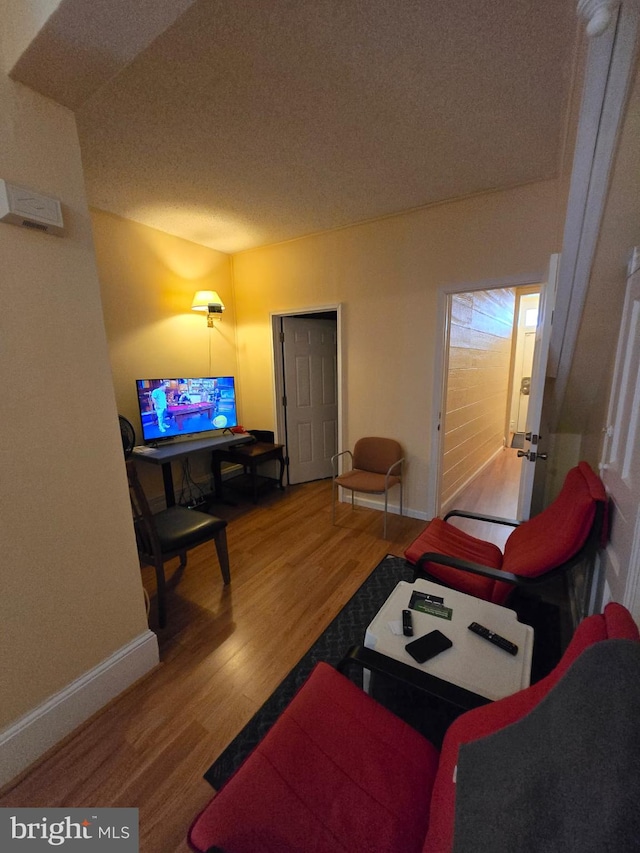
387, 275
71, 589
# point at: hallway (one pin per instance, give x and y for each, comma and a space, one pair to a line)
493, 492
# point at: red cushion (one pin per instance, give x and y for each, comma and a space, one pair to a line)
443, 538
616, 623
543, 542
336, 772
619, 623
551, 538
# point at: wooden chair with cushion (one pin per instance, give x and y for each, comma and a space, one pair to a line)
376, 467
171, 533
566, 533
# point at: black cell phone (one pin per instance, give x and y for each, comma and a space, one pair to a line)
428, 646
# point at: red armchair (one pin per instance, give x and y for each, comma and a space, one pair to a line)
340, 772
568, 531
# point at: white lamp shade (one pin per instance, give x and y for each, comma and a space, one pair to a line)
206, 298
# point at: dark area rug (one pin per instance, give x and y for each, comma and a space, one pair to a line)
347, 629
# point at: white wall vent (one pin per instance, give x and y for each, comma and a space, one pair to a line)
20, 206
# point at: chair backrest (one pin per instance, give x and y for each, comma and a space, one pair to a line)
376, 454
146, 533
561, 532
565, 776
615, 623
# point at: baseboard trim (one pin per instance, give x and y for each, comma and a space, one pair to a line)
449, 504
30, 737
392, 509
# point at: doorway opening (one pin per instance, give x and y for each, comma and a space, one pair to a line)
308, 387
525, 324
487, 348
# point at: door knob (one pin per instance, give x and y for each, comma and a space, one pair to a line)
532, 455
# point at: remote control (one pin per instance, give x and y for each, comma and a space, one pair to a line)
496, 639
407, 623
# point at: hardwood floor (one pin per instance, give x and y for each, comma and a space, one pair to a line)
222, 654
493, 492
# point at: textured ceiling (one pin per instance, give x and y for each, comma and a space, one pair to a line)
248, 122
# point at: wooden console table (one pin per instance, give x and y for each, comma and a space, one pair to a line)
250, 456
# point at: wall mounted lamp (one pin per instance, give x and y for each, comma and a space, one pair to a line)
209, 301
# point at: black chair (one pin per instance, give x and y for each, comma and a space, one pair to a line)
128, 435
171, 533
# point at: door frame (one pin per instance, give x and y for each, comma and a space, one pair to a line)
622, 379
608, 75
278, 369
441, 366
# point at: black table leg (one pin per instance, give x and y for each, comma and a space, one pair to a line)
167, 478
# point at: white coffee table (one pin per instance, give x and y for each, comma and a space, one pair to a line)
472, 662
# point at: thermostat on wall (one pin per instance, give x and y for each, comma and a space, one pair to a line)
20, 206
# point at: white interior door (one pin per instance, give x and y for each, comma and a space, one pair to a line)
538, 374
525, 380
311, 391
620, 467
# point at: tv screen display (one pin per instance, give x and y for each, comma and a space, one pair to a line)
178, 407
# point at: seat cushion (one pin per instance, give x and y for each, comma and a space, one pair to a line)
443, 538
179, 527
337, 772
551, 538
365, 481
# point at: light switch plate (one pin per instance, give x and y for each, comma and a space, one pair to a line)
22, 206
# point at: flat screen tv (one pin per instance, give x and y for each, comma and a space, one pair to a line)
179, 407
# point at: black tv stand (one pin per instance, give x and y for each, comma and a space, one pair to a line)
167, 453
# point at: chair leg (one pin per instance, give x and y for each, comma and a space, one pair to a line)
333, 501
223, 555
161, 594
384, 526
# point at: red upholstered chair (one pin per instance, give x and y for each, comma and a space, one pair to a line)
568, 531
340, 772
